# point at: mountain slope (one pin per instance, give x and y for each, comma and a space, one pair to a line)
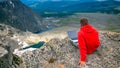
7, 45
16, 14
105, 6
60, 53
28, 2
53, 7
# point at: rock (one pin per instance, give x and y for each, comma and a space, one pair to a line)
18, 15
7, 46
9, 31
58, 49
7, 58
3, 51
60, 53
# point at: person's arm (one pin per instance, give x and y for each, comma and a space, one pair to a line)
82, 47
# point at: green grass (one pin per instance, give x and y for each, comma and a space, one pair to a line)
69, 21
100, 21
117, 8
111, 28
118, 14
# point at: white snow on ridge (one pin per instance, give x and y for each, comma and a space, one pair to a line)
12, 4
20, 52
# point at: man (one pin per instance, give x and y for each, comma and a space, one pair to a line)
88, 40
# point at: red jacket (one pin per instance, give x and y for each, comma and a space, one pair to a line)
88, 41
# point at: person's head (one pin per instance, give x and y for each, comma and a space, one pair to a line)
83, 21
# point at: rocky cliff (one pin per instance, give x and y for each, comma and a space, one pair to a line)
7, 58
7, 46
18, 15
60, 53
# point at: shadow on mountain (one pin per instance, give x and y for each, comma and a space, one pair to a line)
18, 15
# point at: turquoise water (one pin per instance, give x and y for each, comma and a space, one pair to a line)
38, 45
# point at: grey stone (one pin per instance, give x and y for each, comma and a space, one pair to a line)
66, 55
3, 51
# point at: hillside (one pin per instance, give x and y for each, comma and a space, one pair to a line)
22, 31
70, 7
58, 52
100, 7
99, 20
18, 15
7, 45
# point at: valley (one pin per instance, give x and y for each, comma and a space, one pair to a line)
33, 34
99, 20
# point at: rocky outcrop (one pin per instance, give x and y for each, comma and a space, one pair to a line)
18, 15
7, 46
7, 58
60, 53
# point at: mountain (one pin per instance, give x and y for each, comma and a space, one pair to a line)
57, 7
27, 2
18, 15
7, 46
60, 53
103, 7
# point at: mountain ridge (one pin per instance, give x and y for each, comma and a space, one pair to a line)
18, 15
69, 7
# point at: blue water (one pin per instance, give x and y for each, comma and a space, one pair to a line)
38, 45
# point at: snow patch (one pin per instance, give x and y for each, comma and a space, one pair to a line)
20, 52
12, 4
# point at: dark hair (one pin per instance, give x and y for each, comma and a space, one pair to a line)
83, 21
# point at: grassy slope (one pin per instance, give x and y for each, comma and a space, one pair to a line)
100, 21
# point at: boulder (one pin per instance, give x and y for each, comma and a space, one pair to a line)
60, 53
